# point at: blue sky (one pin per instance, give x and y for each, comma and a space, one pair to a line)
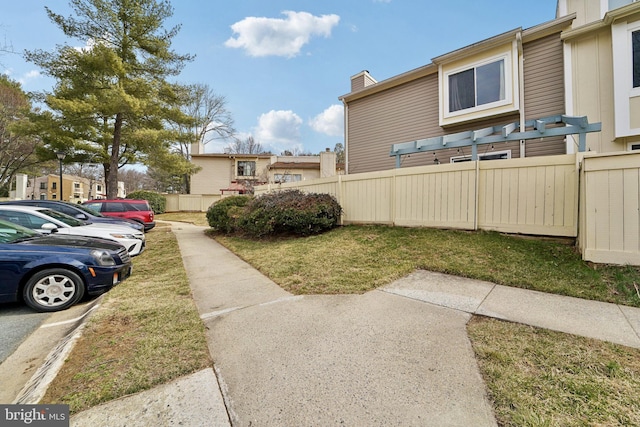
282, 64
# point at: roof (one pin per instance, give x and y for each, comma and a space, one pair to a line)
529, 34
295, 165
233, 155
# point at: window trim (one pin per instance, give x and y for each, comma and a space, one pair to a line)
635, 91
623, 90
255, 168
508, 95
463, 158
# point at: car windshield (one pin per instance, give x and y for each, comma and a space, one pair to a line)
10, 232
69, 220
89, 210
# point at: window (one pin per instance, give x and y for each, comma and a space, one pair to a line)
54, 185
76, 185
246, 168
53, 197
491, 155
43, 185
635, 48
43, 197
287, 177
477, 86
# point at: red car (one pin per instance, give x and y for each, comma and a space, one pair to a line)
137, 210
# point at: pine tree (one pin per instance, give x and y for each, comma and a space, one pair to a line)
112, 97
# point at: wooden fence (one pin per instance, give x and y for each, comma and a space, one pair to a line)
190, 202
610, 208
537, 195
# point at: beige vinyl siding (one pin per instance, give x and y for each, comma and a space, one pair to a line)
544, 90
404, 113
593, 91
216, 173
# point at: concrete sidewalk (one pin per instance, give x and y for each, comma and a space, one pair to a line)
398, 355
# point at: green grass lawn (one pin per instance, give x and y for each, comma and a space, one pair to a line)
356, 259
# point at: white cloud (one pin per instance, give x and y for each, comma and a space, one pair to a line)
23, 79
279, 131
260, 36
330, 121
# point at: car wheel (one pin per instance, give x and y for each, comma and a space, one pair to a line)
52, 290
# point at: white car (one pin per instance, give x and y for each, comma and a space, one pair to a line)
45, 220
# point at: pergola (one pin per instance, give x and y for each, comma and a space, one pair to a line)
534, 129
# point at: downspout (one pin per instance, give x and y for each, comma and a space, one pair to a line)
521, 90
346, 136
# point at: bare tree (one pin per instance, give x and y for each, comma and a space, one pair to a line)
136, 180
212, 119
17, 147
207, 119
247, 146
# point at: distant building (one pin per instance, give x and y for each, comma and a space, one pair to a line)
224, 174
75, 189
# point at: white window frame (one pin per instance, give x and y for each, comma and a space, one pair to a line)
623, 89
633, 146
508, 85
466, 158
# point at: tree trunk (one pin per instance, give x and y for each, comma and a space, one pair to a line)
111, 176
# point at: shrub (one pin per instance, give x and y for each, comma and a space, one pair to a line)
223, 214
158, 202
290, 212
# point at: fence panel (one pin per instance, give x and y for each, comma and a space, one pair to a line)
190, 202
611, 208
367, 197
536, 195
436, 196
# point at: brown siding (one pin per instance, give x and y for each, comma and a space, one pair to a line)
544, 90
409, 112
404, 113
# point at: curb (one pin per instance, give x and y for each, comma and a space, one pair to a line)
35, 389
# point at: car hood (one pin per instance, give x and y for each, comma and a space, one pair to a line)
72, 241
100, 230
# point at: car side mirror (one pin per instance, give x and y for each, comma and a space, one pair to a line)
82, 216
50, 227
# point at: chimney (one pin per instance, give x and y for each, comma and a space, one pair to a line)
327, 163
361, 80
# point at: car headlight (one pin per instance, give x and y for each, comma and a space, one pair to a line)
122, 236
103, 257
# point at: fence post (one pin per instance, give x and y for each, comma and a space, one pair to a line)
340, 198
476, 207
393, 198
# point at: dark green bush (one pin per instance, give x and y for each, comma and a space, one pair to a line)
223, 214
157, 201
290, 212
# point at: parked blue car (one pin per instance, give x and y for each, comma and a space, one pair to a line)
53, 272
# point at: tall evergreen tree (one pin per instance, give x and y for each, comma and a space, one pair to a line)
112, 97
